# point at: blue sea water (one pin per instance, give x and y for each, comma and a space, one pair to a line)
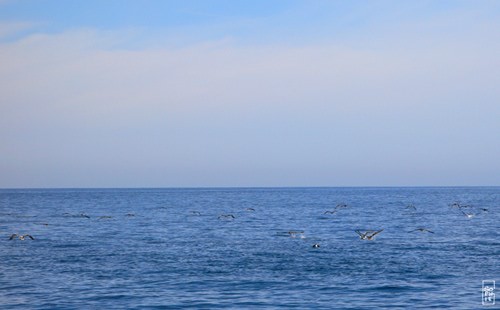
147, 249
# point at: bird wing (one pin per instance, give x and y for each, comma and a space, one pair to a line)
13, 236
377, 232
29, 236
360, 234
226, 216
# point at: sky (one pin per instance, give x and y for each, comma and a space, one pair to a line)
255, 93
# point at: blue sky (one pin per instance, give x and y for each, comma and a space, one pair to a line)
249, 93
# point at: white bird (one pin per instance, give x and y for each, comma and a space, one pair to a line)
294, 234
468, 215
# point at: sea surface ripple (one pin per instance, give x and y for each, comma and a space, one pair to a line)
170, 249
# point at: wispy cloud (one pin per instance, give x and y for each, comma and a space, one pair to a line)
8, 29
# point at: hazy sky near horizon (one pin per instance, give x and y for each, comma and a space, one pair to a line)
249, 93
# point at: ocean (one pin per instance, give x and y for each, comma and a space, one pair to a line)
249, 248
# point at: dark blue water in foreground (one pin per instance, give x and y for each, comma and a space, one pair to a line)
144, 248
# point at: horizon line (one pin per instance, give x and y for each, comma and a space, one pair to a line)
245, 187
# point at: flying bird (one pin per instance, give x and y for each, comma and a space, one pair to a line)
422, 230
294, 233
468, 215
341, 205
77, 215
21, 237
368, 235
226, 216
411, 207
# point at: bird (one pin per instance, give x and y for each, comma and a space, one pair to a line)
422, 230
341, 205
468, 215
330, 212
316, 245
294, 233
76, 215
368, 235
250, 209
195, 213
226, 216
411, 207
455, 204
130, 214
21, 237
